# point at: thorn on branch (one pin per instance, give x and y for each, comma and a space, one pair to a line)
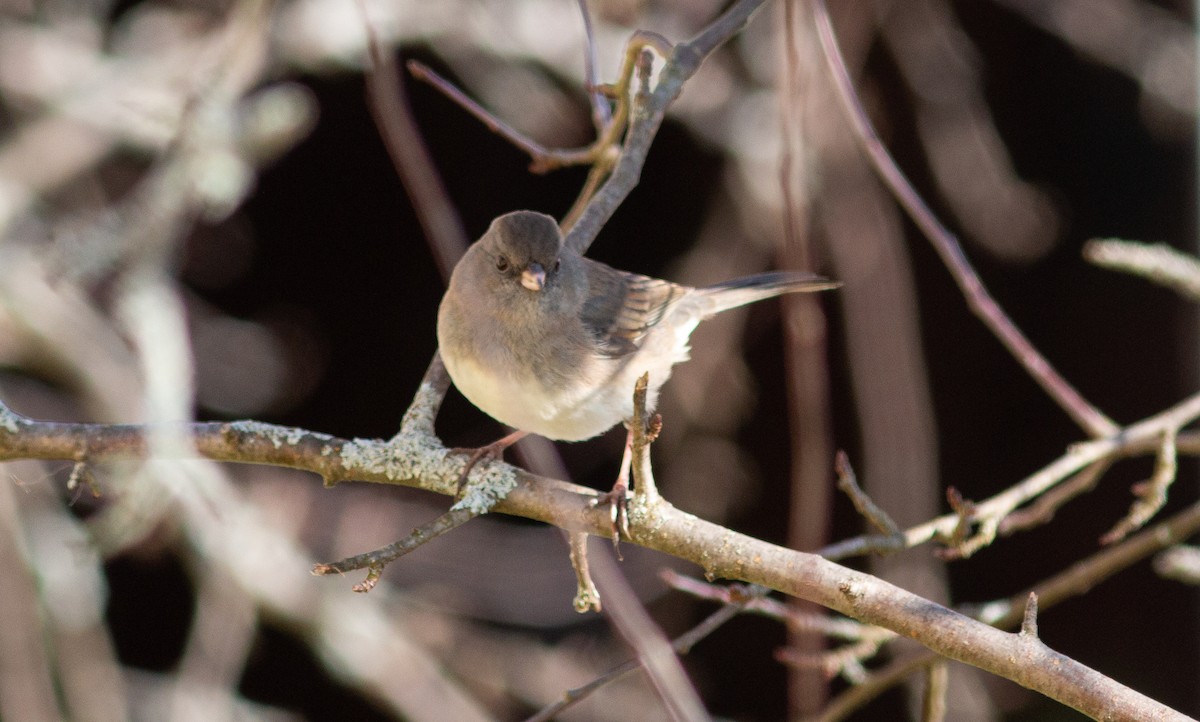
1029, 623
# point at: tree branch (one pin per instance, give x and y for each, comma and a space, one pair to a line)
414, 458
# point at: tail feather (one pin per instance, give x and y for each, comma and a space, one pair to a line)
760, 286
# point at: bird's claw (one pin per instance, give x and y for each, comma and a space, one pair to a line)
618, 501
488, 452
492, 452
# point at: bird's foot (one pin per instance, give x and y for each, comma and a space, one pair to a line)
618, 502
490, 452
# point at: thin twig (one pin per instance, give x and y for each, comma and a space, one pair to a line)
893, 539
1091, 419
1042, 510
1136, 438
409, 155
375, 561
681, 644
601, 113
542, 159
867, 508
643, 474
1152, 493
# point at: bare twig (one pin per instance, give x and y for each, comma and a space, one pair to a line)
403, 141
646, 117
1077, 579
1042, 510
893, 538
1138, 438
1152, 493
601, 113
848, 483
682, 645
375, 561
1091, 419
642, 433
543, 159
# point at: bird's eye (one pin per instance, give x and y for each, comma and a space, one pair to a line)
557, 263
501, 263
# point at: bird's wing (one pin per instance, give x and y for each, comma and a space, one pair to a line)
622, 307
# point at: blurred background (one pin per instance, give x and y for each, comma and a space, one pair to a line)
197, 215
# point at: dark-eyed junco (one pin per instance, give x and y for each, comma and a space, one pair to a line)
550, 342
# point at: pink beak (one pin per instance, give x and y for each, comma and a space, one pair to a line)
533, 277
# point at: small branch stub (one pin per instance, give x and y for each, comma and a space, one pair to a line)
1029, 623
587, 597
644, 432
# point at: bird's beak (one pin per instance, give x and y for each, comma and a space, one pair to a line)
533, 277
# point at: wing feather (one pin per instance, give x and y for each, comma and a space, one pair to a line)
622, 307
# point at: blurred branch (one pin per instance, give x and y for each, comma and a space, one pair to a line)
973, 169
681, 644
1180, 562
1158, 263
1149, 44
409, 155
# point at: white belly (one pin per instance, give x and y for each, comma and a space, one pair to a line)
524, 404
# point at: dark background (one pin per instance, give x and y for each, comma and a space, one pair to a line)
333, 252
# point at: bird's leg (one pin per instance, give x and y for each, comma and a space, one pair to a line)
492, 451
618, 498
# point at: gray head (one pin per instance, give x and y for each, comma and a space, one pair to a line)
523, 246
520, 260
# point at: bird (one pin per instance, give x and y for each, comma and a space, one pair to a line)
550, 342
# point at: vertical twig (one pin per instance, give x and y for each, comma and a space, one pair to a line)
398, 128
601, 114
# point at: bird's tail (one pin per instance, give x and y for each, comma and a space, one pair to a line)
760, 286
